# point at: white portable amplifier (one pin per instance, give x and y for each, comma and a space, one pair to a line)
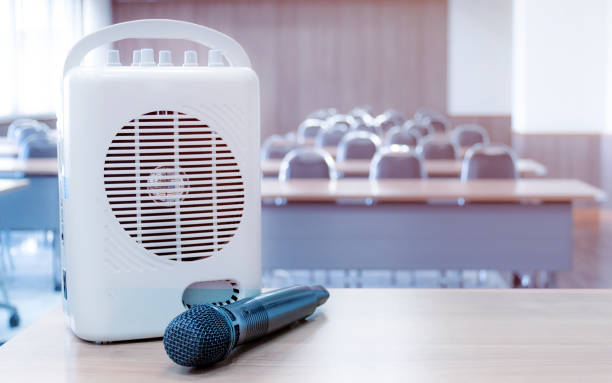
159, 182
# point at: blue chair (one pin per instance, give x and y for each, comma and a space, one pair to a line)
331, 136
437, 148
19, 124
276, 147
402, 136
396, 161
35, 207
489, 162
322, 114
309, 129
421, 128
467, 135
358, 145
307, 163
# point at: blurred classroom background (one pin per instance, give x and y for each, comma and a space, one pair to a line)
405, 143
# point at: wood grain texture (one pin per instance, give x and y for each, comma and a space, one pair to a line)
565, 155
319, 53
445, 189
409, 335
433, 168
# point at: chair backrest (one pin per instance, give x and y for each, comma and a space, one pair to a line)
27, 132
420, 128
396, 161
400, 135
16, 126
388, 120
331, 135
489, 162
307, 163
440, 124
466, 135
309, 129
276, 147
38, 147
358, 145
437, 148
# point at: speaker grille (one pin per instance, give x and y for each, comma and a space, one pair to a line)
174, 185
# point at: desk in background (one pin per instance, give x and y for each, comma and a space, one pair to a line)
524, 225
362, 335
32, 167
433, 168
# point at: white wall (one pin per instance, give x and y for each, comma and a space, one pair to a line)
479, 57
96, 15
560, 66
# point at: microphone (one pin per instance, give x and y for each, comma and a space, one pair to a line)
206, 334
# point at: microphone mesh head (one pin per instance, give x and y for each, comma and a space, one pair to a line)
199, 337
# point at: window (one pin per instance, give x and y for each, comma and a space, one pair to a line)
35, 36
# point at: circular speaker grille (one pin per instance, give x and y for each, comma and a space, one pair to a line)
174, 185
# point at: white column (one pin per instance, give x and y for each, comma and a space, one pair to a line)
479, 57
560, 66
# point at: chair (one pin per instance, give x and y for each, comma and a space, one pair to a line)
388, 120
489, 162
402, 136
307, 163
421, 128
396, 161
331, 136
466, 135
276, 147
438, 121
492, 162
38, 146
23, 134
437, 148
362, 113
358, 145
19, 124
35, 207
309, 129
440, 124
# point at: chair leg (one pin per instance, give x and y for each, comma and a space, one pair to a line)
13, 316
346, 278
57, 262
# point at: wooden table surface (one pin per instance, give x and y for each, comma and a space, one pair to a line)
38, 166
318, 190
363, 335
433, 168
7, 185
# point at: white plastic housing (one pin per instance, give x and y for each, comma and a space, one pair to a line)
119, 282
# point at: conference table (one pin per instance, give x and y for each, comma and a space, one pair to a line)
440, 224
433, 168
362, 335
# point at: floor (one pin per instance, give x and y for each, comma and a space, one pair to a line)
30, 285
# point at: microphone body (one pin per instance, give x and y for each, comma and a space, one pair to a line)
206, 334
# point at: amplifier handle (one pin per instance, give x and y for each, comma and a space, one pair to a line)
158, 29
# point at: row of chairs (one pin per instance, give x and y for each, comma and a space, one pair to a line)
360, 139
33, 138
482, 161
32, 208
